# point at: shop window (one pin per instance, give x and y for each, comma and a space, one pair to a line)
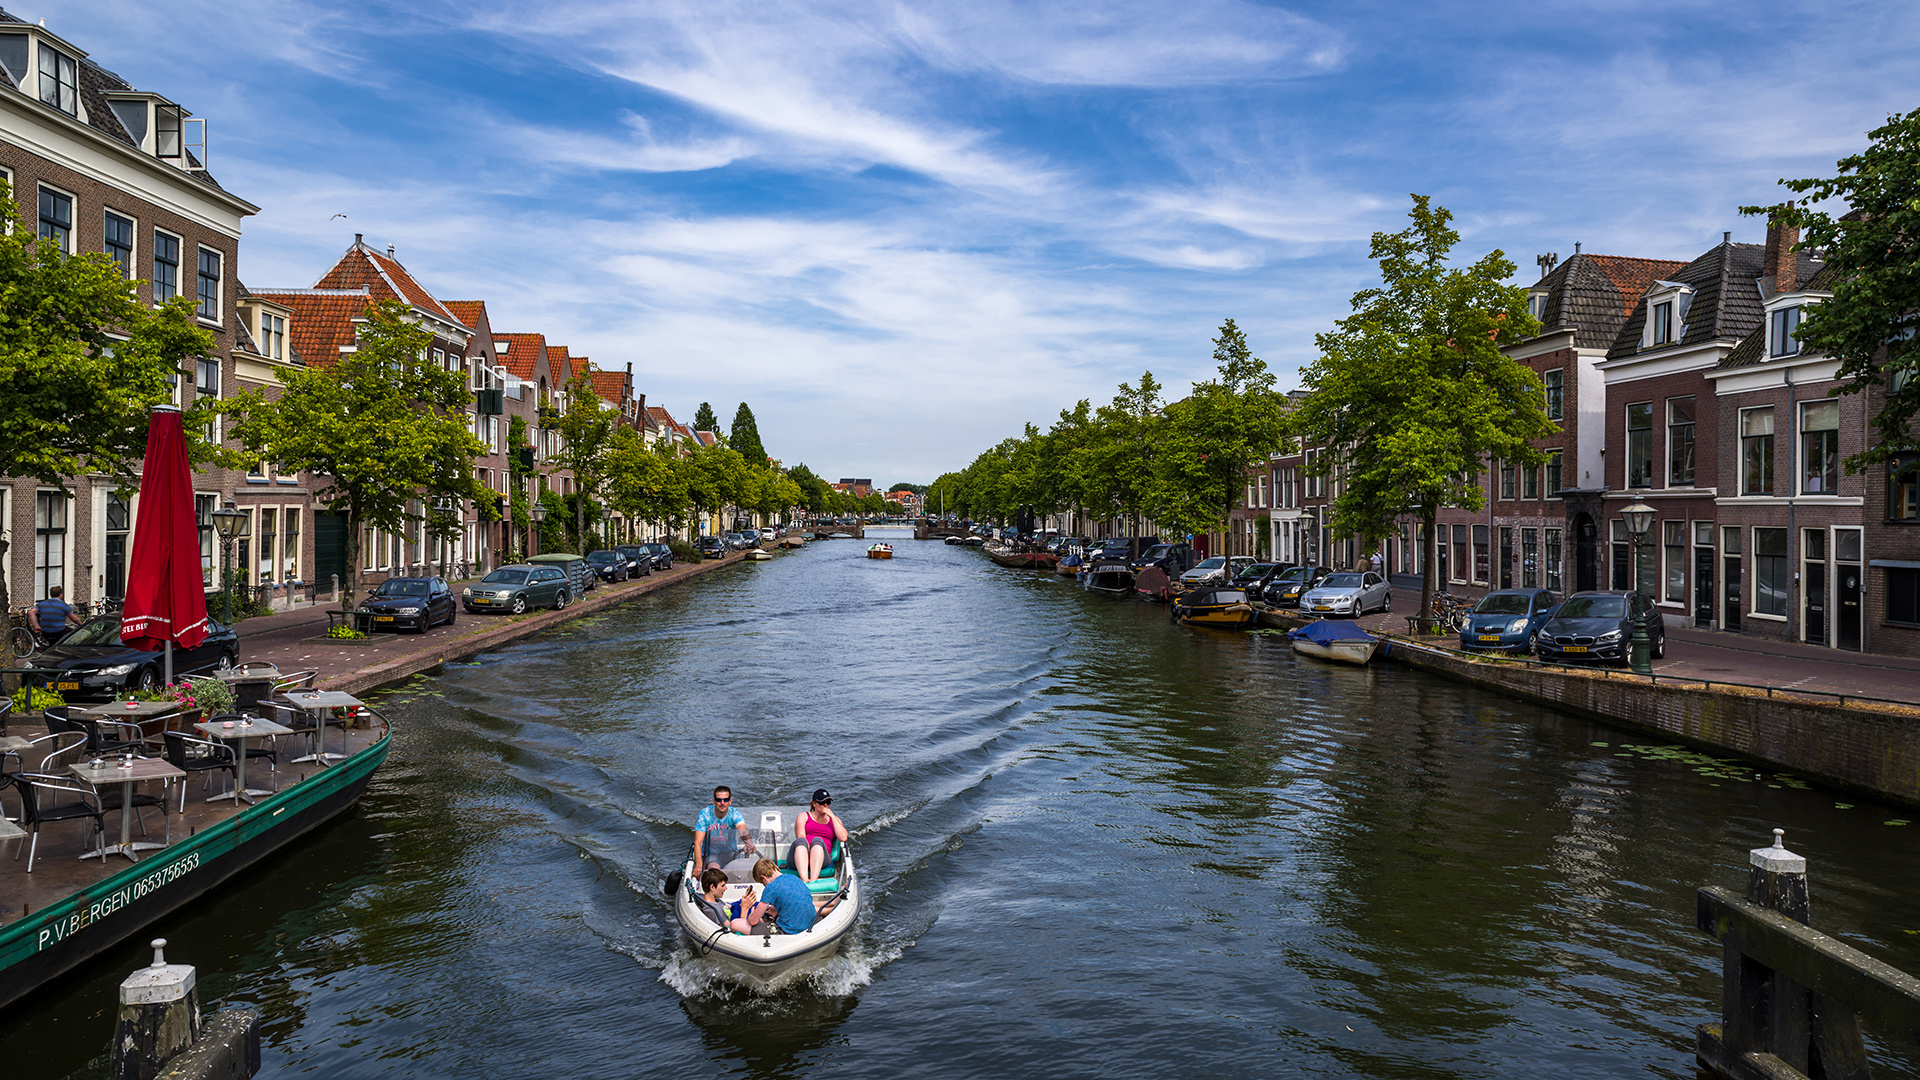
1903, 595
1673, 535
1770, 580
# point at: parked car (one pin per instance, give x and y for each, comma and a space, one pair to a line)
608, 565
518, 587
639, 559
662, 555
767, 533
1175, 559
1216, 571
1348, 594
580, 577
1286, 589
403, 602
1598, 625
92, 664
711, 547
1506, 620
1251, 573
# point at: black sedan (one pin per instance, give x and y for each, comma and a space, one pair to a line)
610, 566
402, 602
662, 555
94, 665
639, 559
711, 547
1599, 626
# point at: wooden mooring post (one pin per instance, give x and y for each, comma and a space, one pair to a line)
1793, 999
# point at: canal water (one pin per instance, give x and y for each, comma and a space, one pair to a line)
1095, 844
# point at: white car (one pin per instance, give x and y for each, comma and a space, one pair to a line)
1349, 594
767, 533
1216, 571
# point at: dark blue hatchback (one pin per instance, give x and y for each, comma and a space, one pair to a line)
1507, 620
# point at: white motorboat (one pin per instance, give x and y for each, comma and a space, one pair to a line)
762, 959
1331, 640
759, 554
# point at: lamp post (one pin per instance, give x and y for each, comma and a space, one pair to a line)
533, 539
1639, 518
232, 525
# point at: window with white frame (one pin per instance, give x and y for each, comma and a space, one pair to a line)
56, 217
290, 545
203, 519
118, 241
1661, 320
1756, 451
1673, 535
1556, 381
273, 336
49, 541
166, 266
1640, 445
209, 307
1680, 442
1530, 482
1552, 561
59, 82
1770, 572
1819, 447
1783, 329
1555, 474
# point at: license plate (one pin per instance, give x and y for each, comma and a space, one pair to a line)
1489, 637
1323, 607
66, 686
1574, 648
481, 600
383, 618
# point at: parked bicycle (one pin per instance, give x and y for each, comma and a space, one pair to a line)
22, 640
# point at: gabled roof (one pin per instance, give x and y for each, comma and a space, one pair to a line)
524, 354
1594, 295
470, 313
559, 365
610, 385
322, 320
388, 280
707, 438
1725, 304
662, 417
1752, 349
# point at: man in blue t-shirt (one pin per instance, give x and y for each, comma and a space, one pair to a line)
50, 617
719, 832
789, 897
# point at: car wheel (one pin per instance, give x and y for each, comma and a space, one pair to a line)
225, 664
147, 680
1660, 647
453, 613
519, 604
560, 602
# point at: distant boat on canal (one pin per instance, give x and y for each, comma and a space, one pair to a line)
1331, 640
880, 551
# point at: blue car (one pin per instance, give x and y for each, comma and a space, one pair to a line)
1506, 620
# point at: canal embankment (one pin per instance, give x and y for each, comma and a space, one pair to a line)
1846, 720
296, 640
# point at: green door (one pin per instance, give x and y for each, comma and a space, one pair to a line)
329, 549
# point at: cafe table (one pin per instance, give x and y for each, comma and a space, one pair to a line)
318, 702
239, 731
13, 742
10, 831
132, 712
97, 773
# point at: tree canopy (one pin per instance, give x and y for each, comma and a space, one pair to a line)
586, 427
745, 437
1412, 394
381, 426
704, 420
1872, 323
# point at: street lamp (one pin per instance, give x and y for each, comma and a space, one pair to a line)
539, 515
1639, 518
232, 525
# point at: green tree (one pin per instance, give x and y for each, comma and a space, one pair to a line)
1411, 394
704, 420
814, 491
717, 478
381, 425
1121, 453
643, 481
1212, 437
1872, 323
745, 437
586, 426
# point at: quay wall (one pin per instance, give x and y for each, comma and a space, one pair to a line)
1872, 747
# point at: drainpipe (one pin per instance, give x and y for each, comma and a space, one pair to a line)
1793, 486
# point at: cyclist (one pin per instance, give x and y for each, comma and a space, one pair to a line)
51, 617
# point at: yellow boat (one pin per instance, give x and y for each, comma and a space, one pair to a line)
1221, 609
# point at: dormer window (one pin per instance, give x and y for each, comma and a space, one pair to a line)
1666, 323
59, 83
273, 336
1537, 306
1663, 322
1783, 330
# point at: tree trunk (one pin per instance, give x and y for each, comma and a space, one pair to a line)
579, 517
348, 579
1430, 552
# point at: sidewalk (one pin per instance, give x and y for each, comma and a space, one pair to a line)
295, 640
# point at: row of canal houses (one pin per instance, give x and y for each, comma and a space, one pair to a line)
103, 167
1680, 385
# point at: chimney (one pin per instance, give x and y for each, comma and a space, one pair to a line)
389, 251
359, 240
1780, 264
1576, 247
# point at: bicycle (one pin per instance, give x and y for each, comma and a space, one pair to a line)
22, 640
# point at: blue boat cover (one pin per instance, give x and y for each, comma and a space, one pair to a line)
1326, 632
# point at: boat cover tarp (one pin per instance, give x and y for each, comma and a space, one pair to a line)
1213, 597
1326, 632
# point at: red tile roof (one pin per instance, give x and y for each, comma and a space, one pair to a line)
610, 385
662, 417
559, 365
322, 320
473, 313
363, 266
1632, 276
523, 353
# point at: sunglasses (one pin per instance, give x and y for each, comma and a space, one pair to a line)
717, 798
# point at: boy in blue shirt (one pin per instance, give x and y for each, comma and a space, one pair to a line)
791, 900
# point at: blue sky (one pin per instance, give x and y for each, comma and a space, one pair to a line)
901, 230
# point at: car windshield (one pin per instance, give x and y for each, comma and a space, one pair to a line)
1156, 551
1341, 581
603, 557
400, 587
1503, 603
1212, 564
1593, 607
505, 577
1256, 570
1296, 575
99, 630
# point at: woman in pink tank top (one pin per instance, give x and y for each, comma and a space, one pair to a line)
814, 836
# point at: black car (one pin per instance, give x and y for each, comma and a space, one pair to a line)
1175, 559
608, 565
711, 547
639, 559
662, 555
1288, 586
401, 602
1598, 625
92, 663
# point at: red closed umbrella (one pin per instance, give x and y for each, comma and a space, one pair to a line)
166, 596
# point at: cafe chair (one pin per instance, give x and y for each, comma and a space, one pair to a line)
53, 753
106, 737
191, 755
81, 805
254, 753
297, 721
298, 680
249, 693
56, 719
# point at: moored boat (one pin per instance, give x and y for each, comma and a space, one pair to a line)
1112, 576
1152, 583
1331, 640
1222, 609
758, 554
762, 959
1070, 566
880, 551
